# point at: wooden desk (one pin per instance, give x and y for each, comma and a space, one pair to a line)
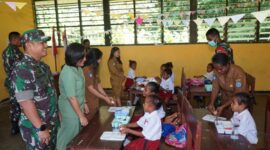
198, 91
212, 140
88, 138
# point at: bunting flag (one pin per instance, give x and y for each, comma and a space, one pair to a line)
209, 21
186, 22
64, 39
54, 47
261, 15
223, 20
198, 21
86, 12
131, 15
236, 18
177, 22
139, 20
167, 23
20, 5
12, 5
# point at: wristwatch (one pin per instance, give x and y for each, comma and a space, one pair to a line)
41, 128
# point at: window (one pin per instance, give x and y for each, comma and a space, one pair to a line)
106, 22
265, 26
92, 21
175, 31
150, 31
46, 16
245, 29
208, 9
122, 26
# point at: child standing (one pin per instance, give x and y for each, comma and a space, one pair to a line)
167, 86
150, 124
169, 65
242, 117
132, 68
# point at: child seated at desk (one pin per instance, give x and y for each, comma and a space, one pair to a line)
242, 117
169, 65
167, 86
209, 75
150, 124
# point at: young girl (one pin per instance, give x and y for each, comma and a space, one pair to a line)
152, 88
242, 117
169, 65
131, 74
150, 124
167, 85
132, 68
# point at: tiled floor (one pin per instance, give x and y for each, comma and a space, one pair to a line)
8, 142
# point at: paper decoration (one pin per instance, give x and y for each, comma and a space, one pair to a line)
131, 15
177, 22
223, 20
20, 5
261, 15
209, 21
186, 22
198, 21
236, 18
139, 20
159, 21
86, 12
12, 5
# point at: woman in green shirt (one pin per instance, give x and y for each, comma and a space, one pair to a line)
72, 103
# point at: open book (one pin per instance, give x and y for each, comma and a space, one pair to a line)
112, 136
212, 118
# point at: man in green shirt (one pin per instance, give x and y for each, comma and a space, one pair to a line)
12, 55
35, 92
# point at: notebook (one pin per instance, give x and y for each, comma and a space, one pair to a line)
212, 118
112, 136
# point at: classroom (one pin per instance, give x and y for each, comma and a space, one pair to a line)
135, 74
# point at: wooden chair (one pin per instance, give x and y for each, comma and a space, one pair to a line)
193, 125
183, 82
251, 83
267, 116
251, 87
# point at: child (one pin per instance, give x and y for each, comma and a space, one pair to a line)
152, 88
131, 74
132, 68
169, 65
167, 85
209, 75
150, 124
242, 117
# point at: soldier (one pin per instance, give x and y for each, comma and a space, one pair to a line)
12, 55
229, 79
35, 92
221, 46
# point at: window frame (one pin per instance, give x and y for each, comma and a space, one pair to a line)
193, 29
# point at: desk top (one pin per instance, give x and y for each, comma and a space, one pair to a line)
89, 136
212, 140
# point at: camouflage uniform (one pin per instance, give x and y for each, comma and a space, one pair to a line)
12, 55
33, 81
224, 47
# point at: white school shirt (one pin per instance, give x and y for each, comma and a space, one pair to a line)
161, 112
209, 75
151, 125
247, 126
167, 84
172, 77
131, 73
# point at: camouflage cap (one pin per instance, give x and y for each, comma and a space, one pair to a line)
34, 35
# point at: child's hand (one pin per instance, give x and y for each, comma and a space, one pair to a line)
124, 130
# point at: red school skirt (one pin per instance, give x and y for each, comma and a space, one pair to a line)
143, 144
129, 83
165, 95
